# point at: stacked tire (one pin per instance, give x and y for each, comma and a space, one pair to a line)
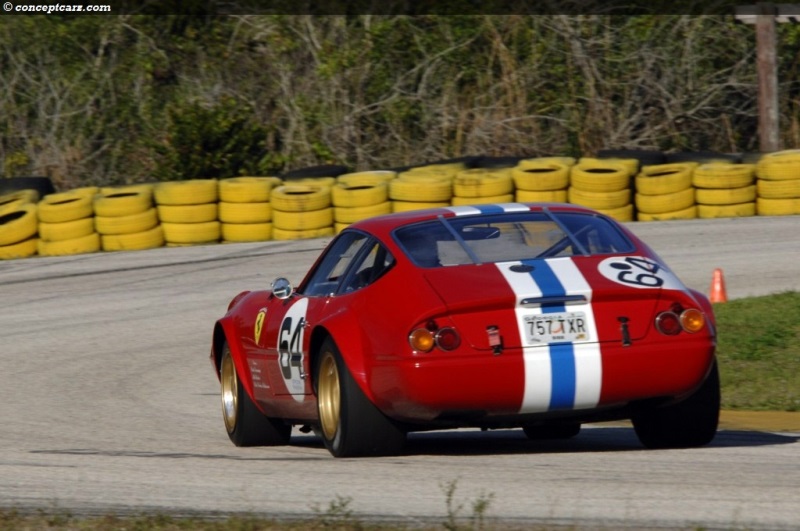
542, 180
778, 184
360, 195
301, 211
429, 186
725, 190
18, 224
245, 211
187, 211
483, 185
603, 185
66, 223
126, 219
665, 192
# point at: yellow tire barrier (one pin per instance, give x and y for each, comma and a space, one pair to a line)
597, 175
599, 200
122, 202
245, 212
686, 213
725, 196
349, 215
787, 189
23, 249
136, 241
661, 179
540, 175
405, 206
779, 166
545, 196
83, 245
281, 234
301, 221
356, 194
69, 230
18, 224
722, 175
421, 190
366, 177
726, 211
89, 191
664, 203
188, 213
478, 182
325, 182
778, 207
142, 188
247, 189
135, 223
462, 201
192, 233
300, 197
632, 165
623, 214
15, 199
246, 232
190, 192
65, 206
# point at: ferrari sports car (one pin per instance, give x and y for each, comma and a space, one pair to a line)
534, 316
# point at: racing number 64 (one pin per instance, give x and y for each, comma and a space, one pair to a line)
290, 346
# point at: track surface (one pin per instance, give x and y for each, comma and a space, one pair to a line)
109, 403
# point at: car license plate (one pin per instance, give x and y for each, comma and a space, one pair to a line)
562, 327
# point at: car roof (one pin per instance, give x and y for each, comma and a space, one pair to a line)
382, 226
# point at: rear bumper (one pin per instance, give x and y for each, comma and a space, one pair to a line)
480, 385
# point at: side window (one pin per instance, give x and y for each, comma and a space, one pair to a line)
373, 263
330, 270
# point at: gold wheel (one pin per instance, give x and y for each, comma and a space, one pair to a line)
230, 392
329, 397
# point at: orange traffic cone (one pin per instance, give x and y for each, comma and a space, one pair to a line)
718, 291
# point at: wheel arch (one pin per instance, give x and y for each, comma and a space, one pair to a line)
348, 339
222, 332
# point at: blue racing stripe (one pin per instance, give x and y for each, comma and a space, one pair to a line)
562, 362
562, 355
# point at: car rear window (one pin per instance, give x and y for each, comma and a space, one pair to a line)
509, 237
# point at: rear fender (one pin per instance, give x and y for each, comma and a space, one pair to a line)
347, 335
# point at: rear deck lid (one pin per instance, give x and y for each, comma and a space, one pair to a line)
556, 300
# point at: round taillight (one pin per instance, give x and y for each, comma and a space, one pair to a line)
447, 339
422, 340
668, 323
692, 320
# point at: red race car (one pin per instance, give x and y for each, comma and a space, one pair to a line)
538, 316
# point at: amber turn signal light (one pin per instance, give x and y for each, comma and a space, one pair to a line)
692, 320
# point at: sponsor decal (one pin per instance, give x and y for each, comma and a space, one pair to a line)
259, 326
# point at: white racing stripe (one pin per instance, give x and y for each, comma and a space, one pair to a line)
558, 375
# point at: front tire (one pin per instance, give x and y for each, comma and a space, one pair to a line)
689, 423
245, 424
350, 425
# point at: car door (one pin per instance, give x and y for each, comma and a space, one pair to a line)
286, 341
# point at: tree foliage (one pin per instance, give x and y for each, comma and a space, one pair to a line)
112, 99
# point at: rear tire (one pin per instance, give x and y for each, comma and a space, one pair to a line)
350, 425
690, 423
245, 424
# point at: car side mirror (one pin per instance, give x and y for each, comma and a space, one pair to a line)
282, 288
